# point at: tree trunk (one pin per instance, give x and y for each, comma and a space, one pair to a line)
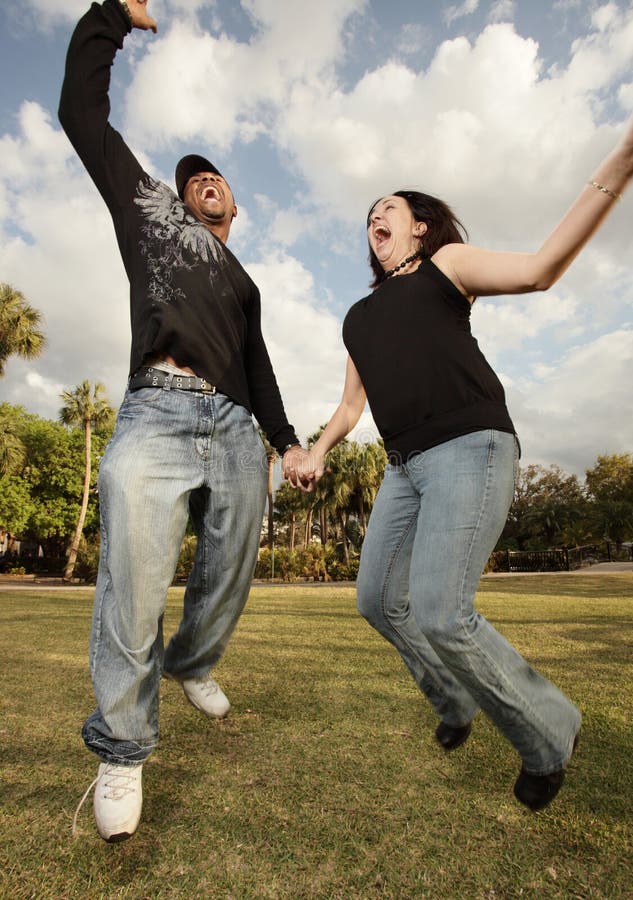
323, 525
308, 529
293, 525
344, 539
74, 547
363, 516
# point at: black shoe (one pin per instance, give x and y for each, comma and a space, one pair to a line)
452, 737
536, 791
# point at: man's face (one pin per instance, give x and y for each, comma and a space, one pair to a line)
209, 198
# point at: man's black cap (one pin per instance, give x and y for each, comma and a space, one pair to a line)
191, 165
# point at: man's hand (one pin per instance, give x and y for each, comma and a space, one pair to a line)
138, 14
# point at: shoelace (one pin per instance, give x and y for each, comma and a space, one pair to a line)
117, 785
81, 803
208, 686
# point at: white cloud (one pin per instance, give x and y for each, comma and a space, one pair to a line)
625, 96
605, 16
502, 11
303, 339
46, 13
581, 409
505, 325
412, 39
193, 84
38, 148
59, 249
467, 8
50, 389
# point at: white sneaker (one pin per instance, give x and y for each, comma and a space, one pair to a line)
207, 696
118, 801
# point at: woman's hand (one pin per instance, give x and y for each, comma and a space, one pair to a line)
302, 468
139, 16
311, 469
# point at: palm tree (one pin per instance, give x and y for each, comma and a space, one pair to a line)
12, 450
86, 407
289, 504
370, 470
19, 327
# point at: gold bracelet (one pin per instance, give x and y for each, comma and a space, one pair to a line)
126, 10
598, 187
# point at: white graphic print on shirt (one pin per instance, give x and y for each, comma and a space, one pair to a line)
171, 230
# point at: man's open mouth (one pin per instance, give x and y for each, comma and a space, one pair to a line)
210, 193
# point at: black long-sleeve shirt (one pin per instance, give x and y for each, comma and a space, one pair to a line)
189, 296
426, 379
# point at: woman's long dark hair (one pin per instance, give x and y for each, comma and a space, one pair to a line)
443, 227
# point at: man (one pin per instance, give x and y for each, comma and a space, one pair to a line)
184, 443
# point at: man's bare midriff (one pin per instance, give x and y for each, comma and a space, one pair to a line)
164, 357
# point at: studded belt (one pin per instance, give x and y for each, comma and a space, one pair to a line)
148, 376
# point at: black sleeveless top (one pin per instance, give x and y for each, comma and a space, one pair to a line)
426, 379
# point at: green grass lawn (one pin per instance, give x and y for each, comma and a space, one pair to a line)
325, 781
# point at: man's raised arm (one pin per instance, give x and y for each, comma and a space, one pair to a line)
84, 107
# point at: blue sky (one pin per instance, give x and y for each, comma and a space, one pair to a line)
312, 111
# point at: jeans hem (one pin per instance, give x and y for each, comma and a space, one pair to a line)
564, 760
120, 753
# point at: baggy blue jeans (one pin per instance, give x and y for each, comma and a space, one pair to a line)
173, 454
435, 522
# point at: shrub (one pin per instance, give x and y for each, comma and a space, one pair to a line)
497, 562
87, 564
186, 558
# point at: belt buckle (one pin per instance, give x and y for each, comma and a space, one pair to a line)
205, 387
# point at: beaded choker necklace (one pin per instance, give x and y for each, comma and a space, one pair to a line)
405, 262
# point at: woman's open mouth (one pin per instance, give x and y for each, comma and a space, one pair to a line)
381, 234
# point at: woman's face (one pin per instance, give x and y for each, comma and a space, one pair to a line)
392, 231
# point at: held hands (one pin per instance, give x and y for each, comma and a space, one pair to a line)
302, 468
139, 16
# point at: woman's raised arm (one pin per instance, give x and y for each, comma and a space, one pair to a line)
478, 272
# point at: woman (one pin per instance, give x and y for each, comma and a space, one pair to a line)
452, 452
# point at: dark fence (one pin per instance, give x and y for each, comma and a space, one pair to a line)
560, 560
52, 566
538, 561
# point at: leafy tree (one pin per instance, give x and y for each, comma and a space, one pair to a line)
48, 482
368, 467
19, 327
30, 489
612, 520
86, 407
346, 493
610, 487
547, 502
12, 452
16, 506
337, 487
611, 478
290, 503
54, 472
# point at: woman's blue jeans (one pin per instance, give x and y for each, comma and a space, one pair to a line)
173, 454
435, 522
